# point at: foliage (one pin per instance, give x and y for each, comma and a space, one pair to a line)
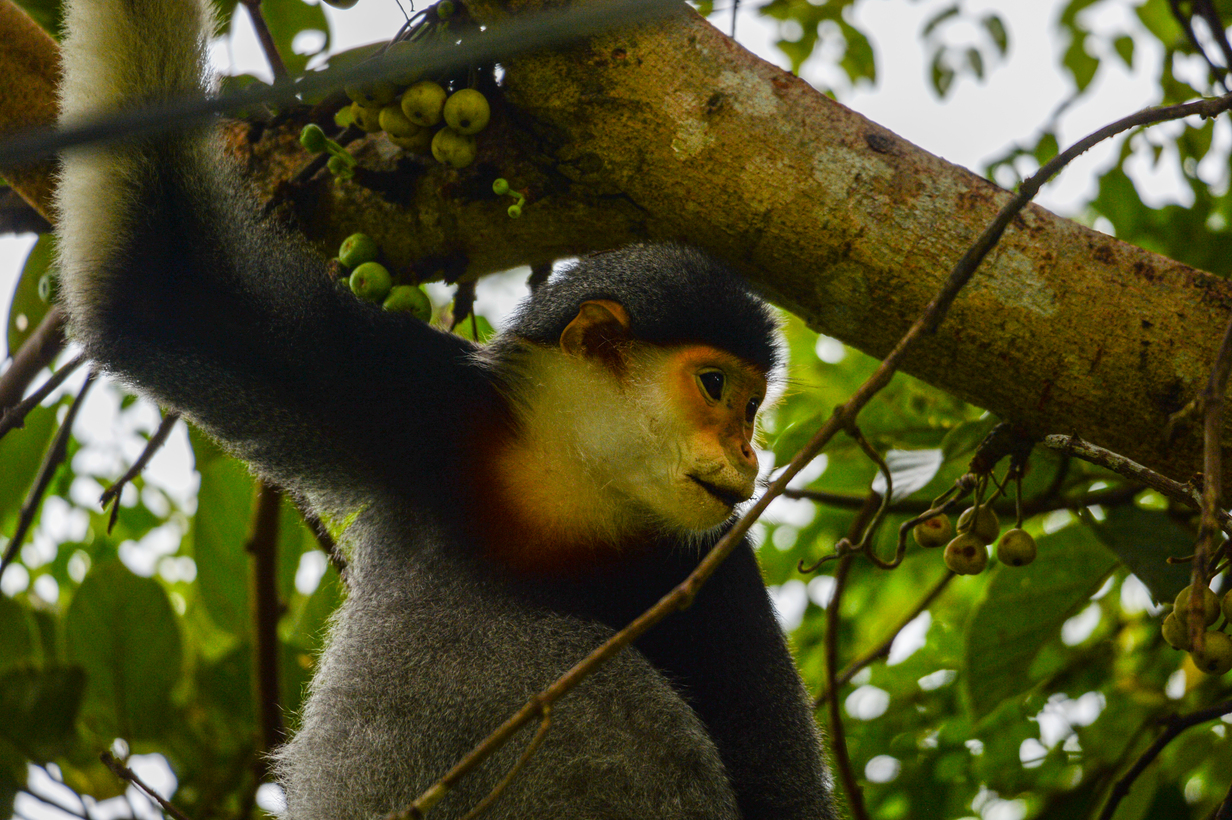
1037, 685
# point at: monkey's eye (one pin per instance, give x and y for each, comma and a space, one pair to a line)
712, 383
750, 410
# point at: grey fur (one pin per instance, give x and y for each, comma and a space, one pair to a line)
177, 289
426, 657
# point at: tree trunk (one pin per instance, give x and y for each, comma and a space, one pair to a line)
673, 131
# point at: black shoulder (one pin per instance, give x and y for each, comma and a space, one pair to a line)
673, 293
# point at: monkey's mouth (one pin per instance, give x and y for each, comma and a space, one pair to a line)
728, 497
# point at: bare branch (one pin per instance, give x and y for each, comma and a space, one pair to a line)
55, 455
38, 351
1175, 726
266, 610
882, 649
1184, 493
124, 773
152, 446
535, 742
277, 66
15, 416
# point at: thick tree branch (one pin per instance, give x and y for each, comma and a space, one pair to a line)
841, 221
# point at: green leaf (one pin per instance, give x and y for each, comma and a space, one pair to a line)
19, 638
467, 328
963, 438
859, 60
21, 453
1046, 148
47, 13
1144, 540
1023, 609
28, 309
995, 27
1082, 66
937, 19
943, 75
289, 18
40, 708
1157, 16
122, 630
308, 627
220, 533
976, 61
1124, 46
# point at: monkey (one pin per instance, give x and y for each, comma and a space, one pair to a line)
514, 504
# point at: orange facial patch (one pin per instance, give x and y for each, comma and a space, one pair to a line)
727, 417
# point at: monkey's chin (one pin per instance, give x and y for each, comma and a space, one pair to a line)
707, 505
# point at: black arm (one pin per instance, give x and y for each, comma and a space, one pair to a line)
238, 326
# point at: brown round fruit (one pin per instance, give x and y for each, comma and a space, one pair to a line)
1017, 548
933, 532
966, 555
986, 527
1216, 655
1175, 633
1210, 605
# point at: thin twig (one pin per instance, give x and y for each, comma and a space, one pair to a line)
535, 742
866, 535
1224, 812
266, 609
48, 800
277, 66
38, 351
1175, 726
1122, 466
882, 649
124, 773
152, 446
15, 416
321, 533
1043, 503
1212, 485
47, 470
838, 736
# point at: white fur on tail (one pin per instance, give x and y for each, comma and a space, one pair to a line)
117, 54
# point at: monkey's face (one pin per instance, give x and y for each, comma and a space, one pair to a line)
710, 399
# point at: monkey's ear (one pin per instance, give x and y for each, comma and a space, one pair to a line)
599, 330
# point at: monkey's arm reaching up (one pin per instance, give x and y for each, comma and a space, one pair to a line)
173, 284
